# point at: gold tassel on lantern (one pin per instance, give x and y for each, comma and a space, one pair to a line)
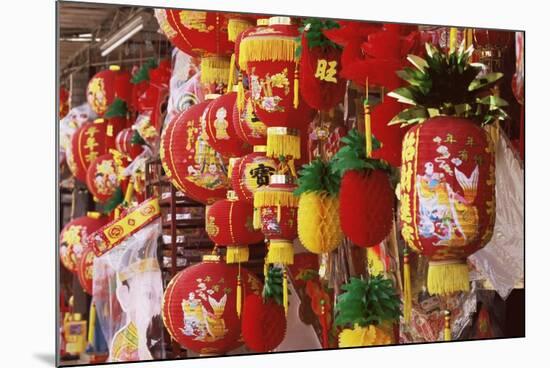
237, 254
407, 290
91, 325
447, 277
235, 27
239, 293
368, 129
256, 222
263, 49
296, 88
285, 291
240, 94
231, 80
269, 197
214, 69
283, 141
447, 332
280, 251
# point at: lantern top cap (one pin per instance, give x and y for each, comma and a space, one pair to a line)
260, 148
235, 88
114, 68
211, 96
77, 317
279, 21
262, 22
281, 179
232, 195
213, 258
282, 131
99, 121
93, 214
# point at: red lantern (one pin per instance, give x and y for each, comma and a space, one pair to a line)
85, 270
106, 86
124, 144
229, 223
103, 177
73, 238
220, 127
321, 86
88, 143
199, 309
263, 324
247, 125
447, 197
252, 172
366, 206
192, 165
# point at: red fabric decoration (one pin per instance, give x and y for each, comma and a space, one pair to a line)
250, 173
447, 188
263, 324
63, 102
102, 177
192, 165
85, 270
247, 125
124, 144
105, 87
221, 130
366, 206
321, 86
88, 142
229, 222
199, 306
73, 239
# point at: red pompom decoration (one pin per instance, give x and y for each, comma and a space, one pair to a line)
199, 306
229, 223
102, 178
250, 173
124, 143
106, 86
221, 130
366, 206
390, 137
73, 238
85, 270
192, 165
88, 143
247, 125
321, 86
263, 324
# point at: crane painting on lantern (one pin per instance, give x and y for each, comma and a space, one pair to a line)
447, 216
198, 321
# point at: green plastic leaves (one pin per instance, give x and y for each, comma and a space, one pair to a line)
143, 72
318, 176
117, 109
273, 286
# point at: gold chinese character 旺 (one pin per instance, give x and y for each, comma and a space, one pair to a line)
326, 74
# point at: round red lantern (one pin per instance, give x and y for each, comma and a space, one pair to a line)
124, 143
107, 86
103, 177
192, 165
321, 86
229, 223
199, 307
85, 270
252, 172
220, 128
447, 197
247, 125
263, 324
73, 237
88, 143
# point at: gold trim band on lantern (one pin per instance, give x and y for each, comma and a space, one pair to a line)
284, 21
114, 68
282, 131
99, 121
447, 262
262, 22
232, 195
261, 148
211, 258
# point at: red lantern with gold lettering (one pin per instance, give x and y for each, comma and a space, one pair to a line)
229, 224
192, 165
199, 307
251, 172
73, 238
88, 143
85, 270
107, 86
221, 130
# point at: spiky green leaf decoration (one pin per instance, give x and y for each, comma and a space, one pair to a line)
352, 156
116, 199
137, 139
367, 302
447, 84
318, 176
273, 285
143, 72
313, 28
117, 109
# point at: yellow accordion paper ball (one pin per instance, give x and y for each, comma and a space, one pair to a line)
319, 222
363, 336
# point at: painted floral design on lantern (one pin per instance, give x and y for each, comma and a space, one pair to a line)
96, 95
106, 178
262, 90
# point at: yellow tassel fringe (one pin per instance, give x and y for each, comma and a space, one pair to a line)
296, 99
267, 197
285, 291
447, 278
239, 296
363, 336
319, 222
407, 290
267, 49
447, 332
214, 69
283, 145
231, 80
237, 254
256, 223
240, 94
280, 251
235, 27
